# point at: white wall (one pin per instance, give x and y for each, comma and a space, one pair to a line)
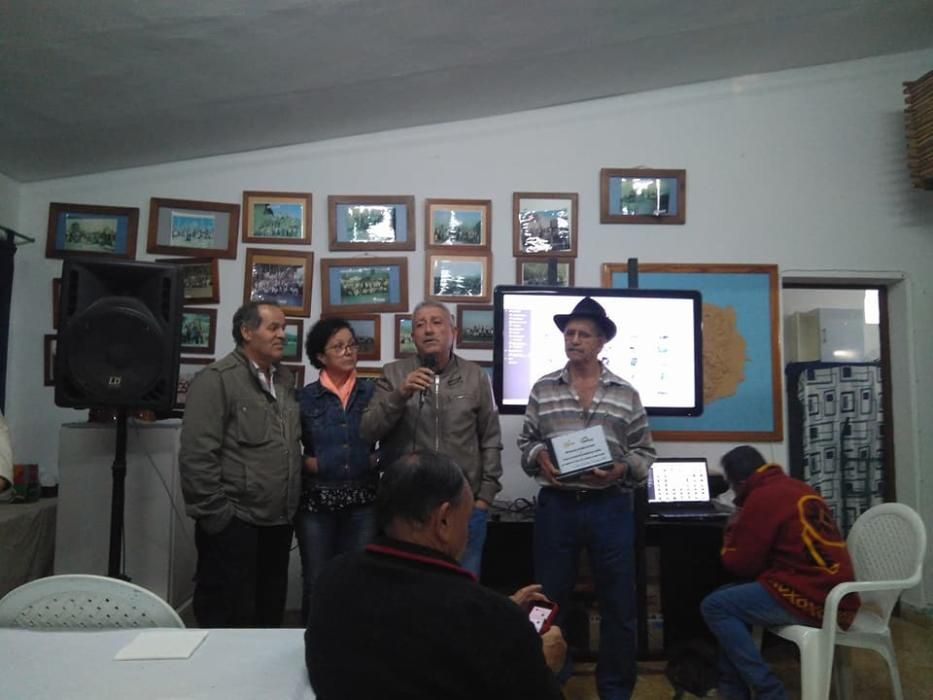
802, 168
9, 202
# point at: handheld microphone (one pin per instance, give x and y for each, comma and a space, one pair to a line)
429, 361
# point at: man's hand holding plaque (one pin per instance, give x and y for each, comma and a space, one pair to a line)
580, 452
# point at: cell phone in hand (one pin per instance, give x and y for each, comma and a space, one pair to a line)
541, 613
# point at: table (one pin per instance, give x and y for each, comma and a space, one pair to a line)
230, 664
27, 542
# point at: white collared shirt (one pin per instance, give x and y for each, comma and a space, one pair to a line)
267, 383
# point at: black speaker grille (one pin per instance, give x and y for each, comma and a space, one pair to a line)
119, 335
115, 350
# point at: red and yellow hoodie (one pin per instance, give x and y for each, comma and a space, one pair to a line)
785, 538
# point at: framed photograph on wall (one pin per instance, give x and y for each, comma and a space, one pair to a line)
371, 222
642, 196
458, 278
49, 348
366, 328
189, 227
474, 327
544, 223
200, 278
363, 285
87, 229
299, 372
198, 329
487, 367
535, 272
281, 276
371, 373
404, 345
294, 340
459, 225
280, 218
187, 368
742, 400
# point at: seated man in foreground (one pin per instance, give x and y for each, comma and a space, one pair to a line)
404, 620
784, 539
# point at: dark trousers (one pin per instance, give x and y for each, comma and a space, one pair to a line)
242, 575
602, 522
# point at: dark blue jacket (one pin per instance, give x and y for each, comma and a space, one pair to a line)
332, 434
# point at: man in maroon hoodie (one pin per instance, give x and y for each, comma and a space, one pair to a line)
784, 540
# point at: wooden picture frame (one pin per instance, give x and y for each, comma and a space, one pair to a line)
281, 276
299, 371
368, 331
198, 330
49, 349
187, 368
404, 345
475, 326
487, 366
371, 373
545, 223
463, 278
533, 271
458, 225
351, 286
371, 222
56, 301
78, 230
741, 356
192, 227
277, 218
200, 279
642, 196
294, 340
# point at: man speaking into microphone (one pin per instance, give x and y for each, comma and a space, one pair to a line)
439, 402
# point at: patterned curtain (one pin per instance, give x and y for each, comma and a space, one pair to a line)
836, 434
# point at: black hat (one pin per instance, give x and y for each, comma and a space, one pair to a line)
588, 308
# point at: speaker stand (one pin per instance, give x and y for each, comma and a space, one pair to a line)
118, 498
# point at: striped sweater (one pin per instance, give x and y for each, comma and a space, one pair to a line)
554, 409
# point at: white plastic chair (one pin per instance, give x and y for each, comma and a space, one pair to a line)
887, 544
84, 601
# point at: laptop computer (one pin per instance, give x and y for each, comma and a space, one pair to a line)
678, 487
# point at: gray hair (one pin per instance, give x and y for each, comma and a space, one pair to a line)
248, 315
437, 305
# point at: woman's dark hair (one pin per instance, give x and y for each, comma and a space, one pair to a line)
248, 315
319, 335
415, 485
741, 462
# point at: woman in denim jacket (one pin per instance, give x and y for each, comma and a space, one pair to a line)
339, 479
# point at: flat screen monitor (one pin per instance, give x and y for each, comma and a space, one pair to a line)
658, 347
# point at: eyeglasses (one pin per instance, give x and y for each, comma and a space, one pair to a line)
343, 348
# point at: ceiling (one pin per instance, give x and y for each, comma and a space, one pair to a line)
105, 84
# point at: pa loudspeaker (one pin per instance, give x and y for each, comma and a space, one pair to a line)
119, 335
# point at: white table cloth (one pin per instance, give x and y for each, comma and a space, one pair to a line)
230, 664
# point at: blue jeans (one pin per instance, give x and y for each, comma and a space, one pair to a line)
728, 612
322, 536
602, 522
472, 559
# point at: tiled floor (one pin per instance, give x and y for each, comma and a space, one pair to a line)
913, 642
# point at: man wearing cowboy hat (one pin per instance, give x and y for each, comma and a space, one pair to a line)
594, 510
